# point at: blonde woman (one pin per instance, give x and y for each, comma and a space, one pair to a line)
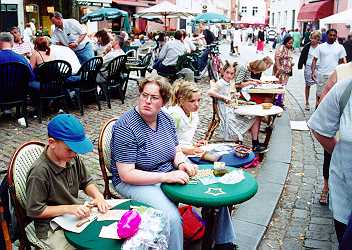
184, 108
185, 101
306, 59
243, 76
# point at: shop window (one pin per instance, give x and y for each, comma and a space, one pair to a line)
11, 7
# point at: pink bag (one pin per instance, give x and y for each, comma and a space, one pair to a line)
129, 224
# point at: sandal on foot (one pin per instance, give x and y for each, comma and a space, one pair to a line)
307, 107
324, 198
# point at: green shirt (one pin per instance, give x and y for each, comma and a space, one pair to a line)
50, 185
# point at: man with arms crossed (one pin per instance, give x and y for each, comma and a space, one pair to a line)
56, 177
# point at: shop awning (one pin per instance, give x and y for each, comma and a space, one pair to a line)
315, 11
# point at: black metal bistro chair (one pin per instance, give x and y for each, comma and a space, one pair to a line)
52, 76
140, 65
88, 84
14, 78
116, 78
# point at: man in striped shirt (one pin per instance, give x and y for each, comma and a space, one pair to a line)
20, 46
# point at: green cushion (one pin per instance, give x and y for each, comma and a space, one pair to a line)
89, 237
203, 195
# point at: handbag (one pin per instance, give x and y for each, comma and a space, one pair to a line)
193, 225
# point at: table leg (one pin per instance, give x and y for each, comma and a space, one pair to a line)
210, 216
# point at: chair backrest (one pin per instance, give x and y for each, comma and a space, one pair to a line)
131, 53
146, 60
89, 71
116, 67
20, 163
105, 152
14, 78
52, 76
215, 121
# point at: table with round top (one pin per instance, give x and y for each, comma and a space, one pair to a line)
89, 237
258, 110
211, 197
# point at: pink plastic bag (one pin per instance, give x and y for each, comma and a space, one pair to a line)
129, 224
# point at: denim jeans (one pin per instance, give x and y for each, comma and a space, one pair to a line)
154, 196
86, 53
203, 60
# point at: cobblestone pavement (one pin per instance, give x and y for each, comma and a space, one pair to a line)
299, 221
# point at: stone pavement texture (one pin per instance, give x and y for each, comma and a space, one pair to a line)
298, 221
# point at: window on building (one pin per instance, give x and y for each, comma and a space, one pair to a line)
272, 19
244, 9
8, 16
255, 10
293, 18
279, 19
285, 18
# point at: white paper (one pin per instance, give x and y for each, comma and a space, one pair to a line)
111, 215
109, 232
233, 177
69, 222
299, 125
114, 202
266, 78
209, 180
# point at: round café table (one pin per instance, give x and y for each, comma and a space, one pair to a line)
89, 237
211, 197
257, 110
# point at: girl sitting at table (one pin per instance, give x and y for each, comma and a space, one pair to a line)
233, 125
185, 100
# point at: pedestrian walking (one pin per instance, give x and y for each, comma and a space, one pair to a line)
305, 60
296, 40
283, 65
70, 33
260, 40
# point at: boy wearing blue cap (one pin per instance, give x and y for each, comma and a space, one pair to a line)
56, 177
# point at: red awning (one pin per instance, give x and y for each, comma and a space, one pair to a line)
315, 11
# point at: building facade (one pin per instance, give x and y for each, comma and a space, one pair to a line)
283, 13
252, 11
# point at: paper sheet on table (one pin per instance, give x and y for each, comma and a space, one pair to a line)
114, 202
232, 177
111, 215
109, 232
299, 125
69, 222
266, 78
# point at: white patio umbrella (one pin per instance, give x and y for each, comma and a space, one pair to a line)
341, 17
165, 10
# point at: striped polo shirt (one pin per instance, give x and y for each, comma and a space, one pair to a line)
134, 142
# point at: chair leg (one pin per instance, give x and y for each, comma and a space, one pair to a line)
79, 101
97, 98
40, 111
25, 113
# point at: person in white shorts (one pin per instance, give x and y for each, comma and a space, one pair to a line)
329, 54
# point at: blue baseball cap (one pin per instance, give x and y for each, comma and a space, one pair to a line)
68, 128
